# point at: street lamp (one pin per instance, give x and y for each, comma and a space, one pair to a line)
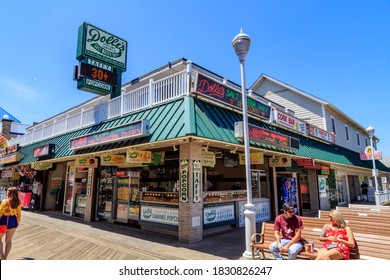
241, 44
370, 131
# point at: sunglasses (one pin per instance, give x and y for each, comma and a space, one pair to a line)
290, 211
331, 218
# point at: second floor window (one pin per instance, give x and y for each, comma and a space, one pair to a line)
346, 133
358, 139
333, 125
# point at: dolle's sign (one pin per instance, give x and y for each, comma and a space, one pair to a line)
97, 43
224, 94
102, 58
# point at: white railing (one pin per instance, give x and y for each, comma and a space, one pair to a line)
146, 96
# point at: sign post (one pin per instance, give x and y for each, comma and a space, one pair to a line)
102, 59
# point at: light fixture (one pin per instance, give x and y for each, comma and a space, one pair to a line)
370, 131
206, 149
234, 150
174, 148
241, 44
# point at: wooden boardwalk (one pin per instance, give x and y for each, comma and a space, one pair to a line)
52, 236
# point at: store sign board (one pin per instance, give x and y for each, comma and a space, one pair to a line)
9, 150
266, 136
368, 156
15, 157
7, 173
46, 150
96, 43
217, 91
196, 180
280, 162
83, 162
321, 134
218, 214
208, 159
112, 160
325, 170
184, 181
160, 215
256, 158
135, 129
289, 121
304, 161
41, 165
138, 157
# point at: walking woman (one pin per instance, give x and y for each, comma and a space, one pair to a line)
11, 212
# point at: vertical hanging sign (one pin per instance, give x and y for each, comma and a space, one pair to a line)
184, 181
196, 179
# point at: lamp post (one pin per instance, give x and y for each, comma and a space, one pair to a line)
241, 44
370, 131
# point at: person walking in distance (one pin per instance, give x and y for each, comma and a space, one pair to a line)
364, 188
11, 212
288, 229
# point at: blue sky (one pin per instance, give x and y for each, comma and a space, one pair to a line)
336, 50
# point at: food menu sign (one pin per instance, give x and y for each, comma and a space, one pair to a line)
136, 129
321, 134
224, 94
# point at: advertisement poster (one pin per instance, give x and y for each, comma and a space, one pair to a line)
322, 185
290, 194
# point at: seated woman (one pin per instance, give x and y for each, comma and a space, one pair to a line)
337, 237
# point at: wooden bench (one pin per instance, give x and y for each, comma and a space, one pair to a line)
260, 242
368, 246
371, 223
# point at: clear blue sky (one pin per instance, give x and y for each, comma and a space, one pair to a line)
336, 50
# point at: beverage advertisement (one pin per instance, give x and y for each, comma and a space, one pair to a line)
290, 192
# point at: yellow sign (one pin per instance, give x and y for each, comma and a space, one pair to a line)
3, 142
208, 158
280, 162
256, 158
112, 160
134, 156
41, 165
86, 163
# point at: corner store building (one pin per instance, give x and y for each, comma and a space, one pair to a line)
185, 121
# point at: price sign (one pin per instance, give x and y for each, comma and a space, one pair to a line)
97, 73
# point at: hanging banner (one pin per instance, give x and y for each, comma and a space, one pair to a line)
256, 158
112, 160
196, 179
86, 163
184, 181
208, 159
138, 157
41, 165
280, 162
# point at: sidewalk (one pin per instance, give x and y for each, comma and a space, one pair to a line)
52, 236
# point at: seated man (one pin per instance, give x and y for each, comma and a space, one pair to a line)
288, 229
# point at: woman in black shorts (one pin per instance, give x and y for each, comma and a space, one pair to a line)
10, 211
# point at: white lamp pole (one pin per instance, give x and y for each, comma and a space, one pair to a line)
241, 44
370, 131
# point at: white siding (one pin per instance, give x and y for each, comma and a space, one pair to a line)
341, 137
304, 108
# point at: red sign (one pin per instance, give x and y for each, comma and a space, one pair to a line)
44, 150
325, 170
304, 162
